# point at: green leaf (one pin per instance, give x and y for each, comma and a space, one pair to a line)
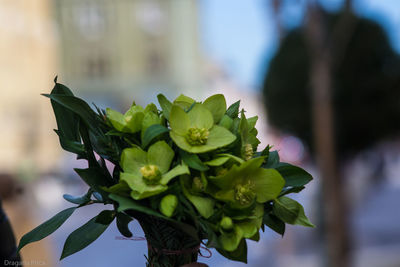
78, 200
105, 217
192, 160
67, 120
46, 228
84, 235
233, 110
252, 122
274, 223
226, 122
290, 211
217, 105
204, 205
289, 190
94, 177
168, 205
165, 104
123, 221
79, 107
71, 146
160, 154
272, 160
217, 161
129, 204
293, 175
152, 133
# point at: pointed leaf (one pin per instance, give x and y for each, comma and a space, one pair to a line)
290, 211
293, 175
152, 133
129, 204
123, 221
193, 161
46, 228
84, 236
165, 104
274, 223
233, 110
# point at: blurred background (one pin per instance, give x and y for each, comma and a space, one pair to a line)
323, 76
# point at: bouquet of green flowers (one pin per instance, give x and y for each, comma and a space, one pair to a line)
188, 173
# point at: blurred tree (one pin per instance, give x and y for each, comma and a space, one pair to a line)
335, 83
366, 87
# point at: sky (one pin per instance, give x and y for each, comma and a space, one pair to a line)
241, 36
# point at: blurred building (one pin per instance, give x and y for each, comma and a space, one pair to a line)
129, 47
28, 66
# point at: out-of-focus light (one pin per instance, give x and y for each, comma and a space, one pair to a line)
291, 149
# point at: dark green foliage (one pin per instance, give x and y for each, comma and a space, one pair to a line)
366, 87
86, 234
47, 228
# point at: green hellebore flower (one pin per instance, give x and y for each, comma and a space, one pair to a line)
233, 231
135, 119
130, 122
243, 184
148, 173
195, 131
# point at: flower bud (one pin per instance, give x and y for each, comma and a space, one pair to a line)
226, 224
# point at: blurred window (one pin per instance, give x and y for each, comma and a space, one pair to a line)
90, 19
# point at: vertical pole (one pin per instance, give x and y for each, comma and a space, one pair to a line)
333, 195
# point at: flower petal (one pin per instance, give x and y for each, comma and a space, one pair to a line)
132, 159
178, 170
220, 137
200, 117
179, 120
139, 188
268, 184
184, 101
217, 105
160, 154
117, 119
230, 241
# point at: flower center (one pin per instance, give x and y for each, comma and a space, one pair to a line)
128, 118
248, 152
151, 174
197, 184
197, 136
244, 193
